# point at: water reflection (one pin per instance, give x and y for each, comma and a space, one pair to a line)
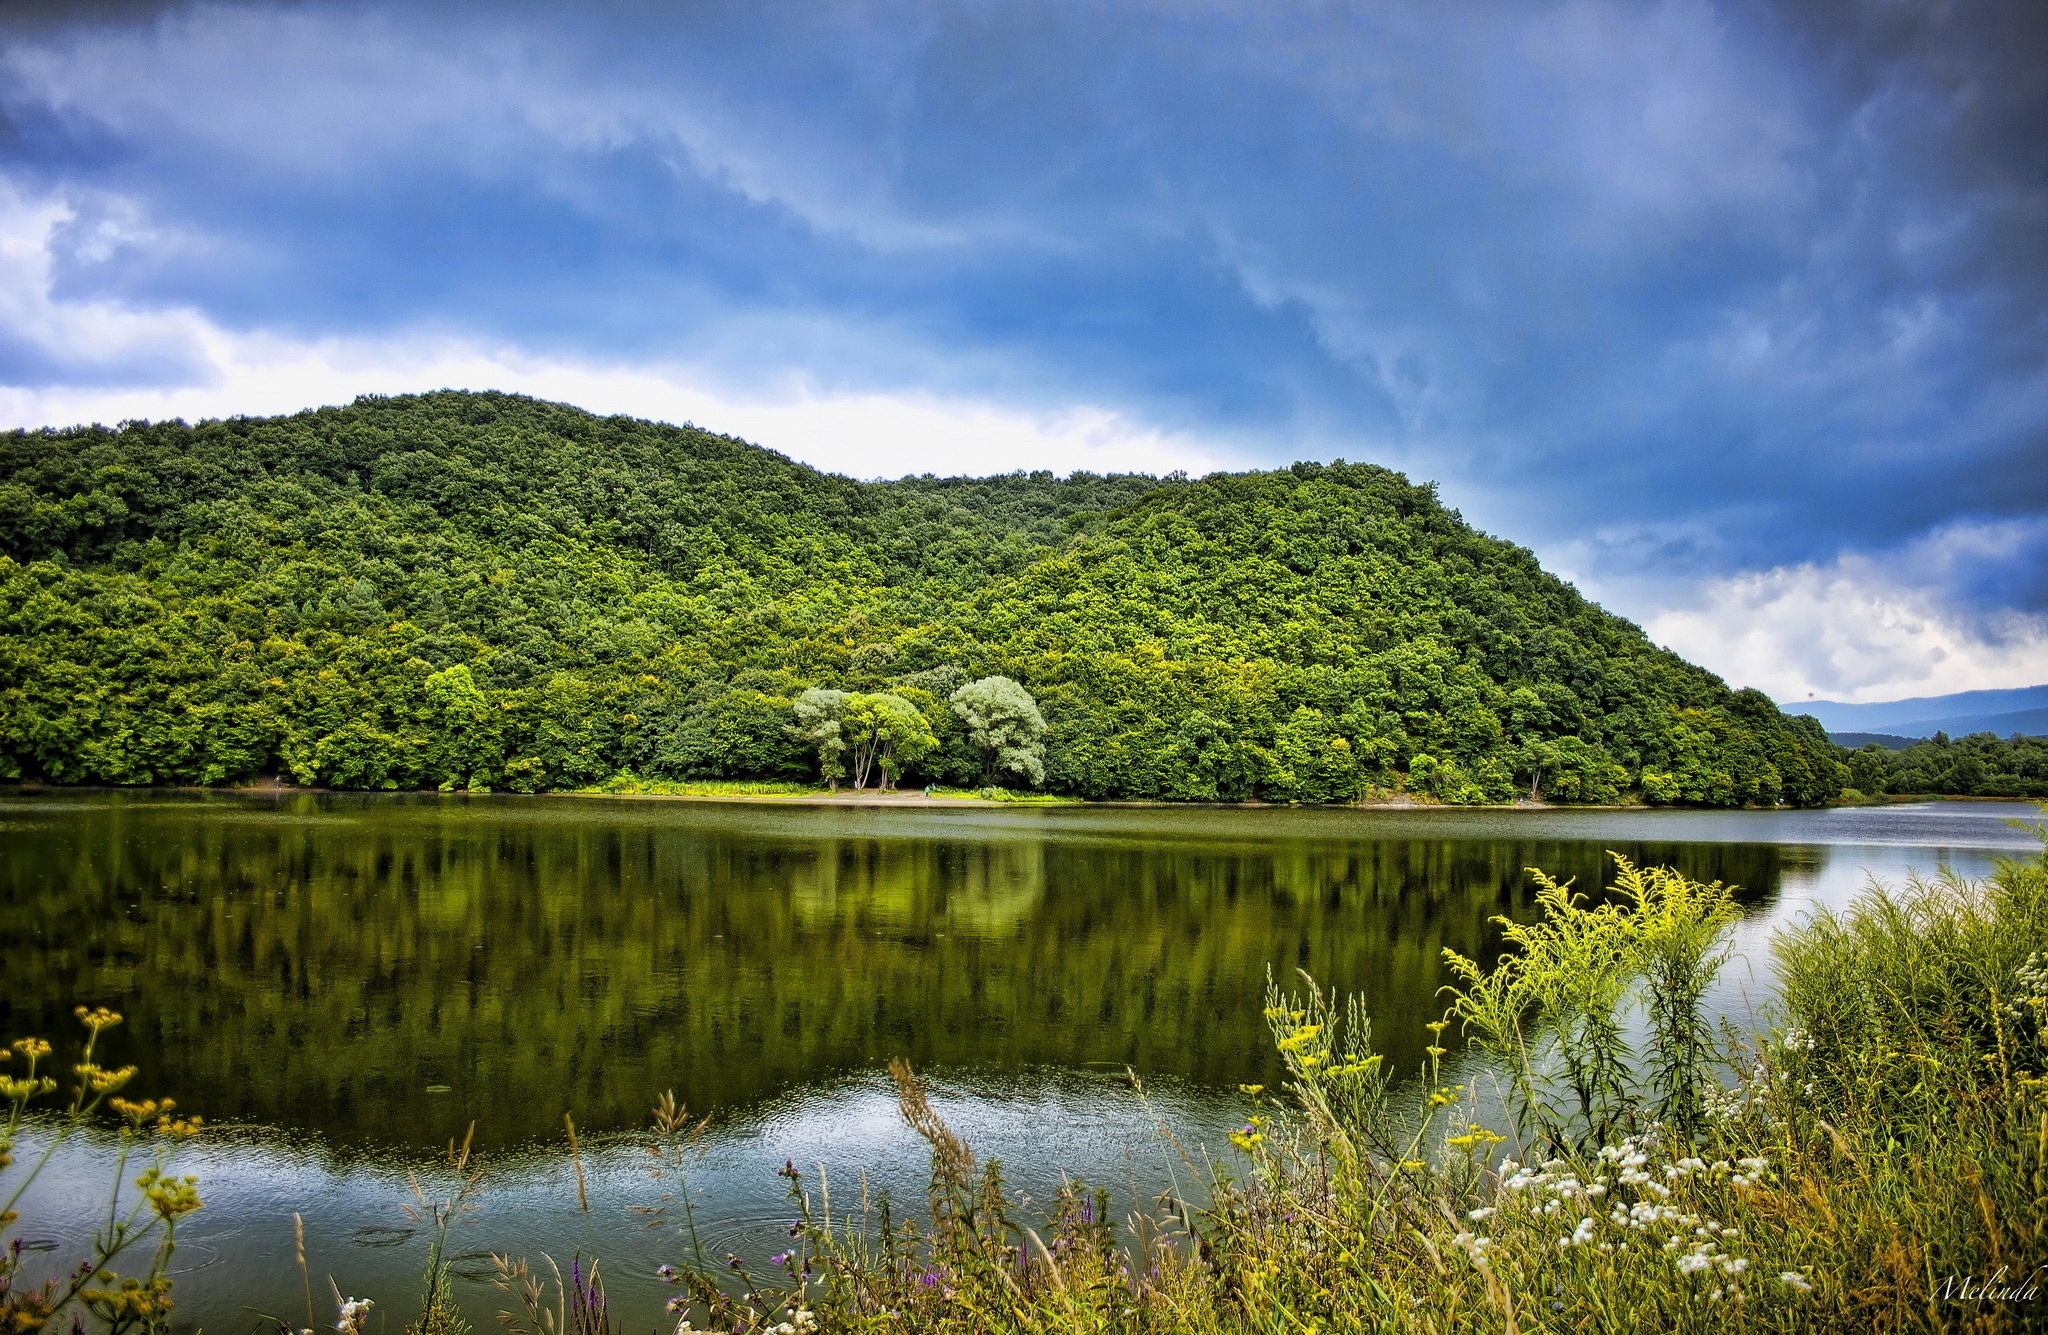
320, 963
236, 1257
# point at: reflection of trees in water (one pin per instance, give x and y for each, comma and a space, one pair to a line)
921, 887
323, 971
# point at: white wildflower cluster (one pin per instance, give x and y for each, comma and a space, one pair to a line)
1795, 1281
2033, 978
1628, 1199
802, 1321
1475, 1246
1554, 1179
1750, 1095
1629, 1159
353, 1313
1753, 1172
2030, 1001
1705, 1257
1797, 1040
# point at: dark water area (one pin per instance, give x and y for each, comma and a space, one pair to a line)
319, 962
346, 982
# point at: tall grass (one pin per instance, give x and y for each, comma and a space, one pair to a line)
632, 785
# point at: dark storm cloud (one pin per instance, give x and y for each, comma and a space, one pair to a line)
1698, 288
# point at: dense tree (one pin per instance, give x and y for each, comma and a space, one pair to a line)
484, 591
821, 720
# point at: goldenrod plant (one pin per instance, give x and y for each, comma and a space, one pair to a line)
1552, 1014
142, 1214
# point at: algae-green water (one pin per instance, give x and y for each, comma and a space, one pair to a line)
342, 984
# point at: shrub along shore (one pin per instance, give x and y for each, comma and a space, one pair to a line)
1876, 1158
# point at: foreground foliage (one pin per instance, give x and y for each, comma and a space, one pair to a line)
142, 1215
482, 591
1878, 1163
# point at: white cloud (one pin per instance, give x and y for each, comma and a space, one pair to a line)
863, 435
85, 341
105, 362
1864, 628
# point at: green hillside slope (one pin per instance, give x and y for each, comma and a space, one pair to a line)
482, 590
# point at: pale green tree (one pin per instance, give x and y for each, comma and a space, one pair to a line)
883, 732
1004, 724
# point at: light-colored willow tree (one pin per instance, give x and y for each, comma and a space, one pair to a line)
907, 737
1004, 724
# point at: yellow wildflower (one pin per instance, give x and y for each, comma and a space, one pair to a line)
96, 1019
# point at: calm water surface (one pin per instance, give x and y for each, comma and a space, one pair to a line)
347, 982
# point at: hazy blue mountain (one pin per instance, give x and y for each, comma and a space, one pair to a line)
2030, 722
1934, 712
2027, 722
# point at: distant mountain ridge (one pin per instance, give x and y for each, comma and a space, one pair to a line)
1963, 712
2026, 722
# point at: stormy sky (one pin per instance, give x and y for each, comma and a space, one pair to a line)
1736, 313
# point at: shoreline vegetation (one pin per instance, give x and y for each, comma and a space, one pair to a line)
1869, 1157
813, 794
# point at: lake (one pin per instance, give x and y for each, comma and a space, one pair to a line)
344, 983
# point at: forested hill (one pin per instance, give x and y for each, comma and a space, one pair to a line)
482, 590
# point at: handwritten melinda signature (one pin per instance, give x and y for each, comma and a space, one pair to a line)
1998, 1287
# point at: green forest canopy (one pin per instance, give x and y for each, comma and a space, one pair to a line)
487, 591
1979, 765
